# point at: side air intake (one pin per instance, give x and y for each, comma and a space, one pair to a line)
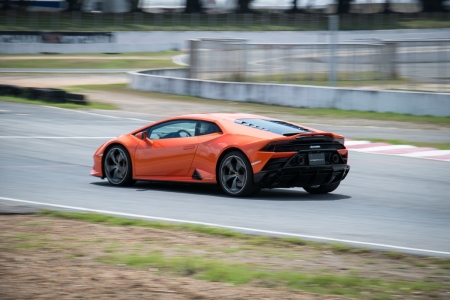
196, 175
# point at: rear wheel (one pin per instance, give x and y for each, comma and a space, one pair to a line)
236, 175
322, 189
117, 166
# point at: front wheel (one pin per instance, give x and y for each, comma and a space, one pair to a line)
236, 175
117, 166
322, 189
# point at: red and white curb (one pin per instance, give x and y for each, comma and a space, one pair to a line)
401, 150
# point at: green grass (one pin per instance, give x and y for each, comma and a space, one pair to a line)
211, 22
73, 63
212, 231
344, 79
29, 241
251, 240
394, 255
440, 146
423, 24
149, 55
90, 105
272, 109
26, 237
241, 273
444, 263
219, 268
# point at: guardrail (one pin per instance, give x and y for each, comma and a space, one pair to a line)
175, 81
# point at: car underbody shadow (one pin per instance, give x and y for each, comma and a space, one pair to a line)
214, 190
296, 194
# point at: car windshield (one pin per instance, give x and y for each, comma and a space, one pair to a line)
275, 126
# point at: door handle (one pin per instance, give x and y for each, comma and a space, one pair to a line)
188, 147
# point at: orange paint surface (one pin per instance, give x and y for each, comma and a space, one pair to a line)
176, 159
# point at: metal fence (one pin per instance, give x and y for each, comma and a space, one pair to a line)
403, 65
23, 20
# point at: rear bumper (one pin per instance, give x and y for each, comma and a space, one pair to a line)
301, 176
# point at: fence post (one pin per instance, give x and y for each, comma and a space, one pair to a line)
244, 60
193, 63
388, 62
333, 26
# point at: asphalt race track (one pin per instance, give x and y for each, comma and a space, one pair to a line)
387, 202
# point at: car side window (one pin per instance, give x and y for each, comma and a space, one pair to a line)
172, 129
204, 127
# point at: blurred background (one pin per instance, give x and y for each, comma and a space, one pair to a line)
381, 62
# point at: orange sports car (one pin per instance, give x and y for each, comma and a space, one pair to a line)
241, 152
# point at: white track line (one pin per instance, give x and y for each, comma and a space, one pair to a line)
427, 153
228, 227
353, 143
178, 59
95, 114
381, 148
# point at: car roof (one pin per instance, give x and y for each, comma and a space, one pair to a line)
221, 116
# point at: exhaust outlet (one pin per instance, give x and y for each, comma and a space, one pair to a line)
300, 160
335, 158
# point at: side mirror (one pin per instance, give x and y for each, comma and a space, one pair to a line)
143, 135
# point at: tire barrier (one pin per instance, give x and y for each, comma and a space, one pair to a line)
76, 98
42, 94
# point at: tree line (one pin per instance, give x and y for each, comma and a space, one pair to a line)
243, 6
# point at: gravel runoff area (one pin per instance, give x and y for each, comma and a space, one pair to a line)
52, 258
56, 267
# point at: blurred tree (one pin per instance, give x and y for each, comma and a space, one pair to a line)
134, 5
343, 6
433, 5
193, 6
294, 9
387, 7
22, 5
74, 5
6, 5
243, 6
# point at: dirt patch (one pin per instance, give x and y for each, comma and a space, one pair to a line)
41, 80
43, 257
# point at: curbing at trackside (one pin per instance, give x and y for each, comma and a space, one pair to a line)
176, 81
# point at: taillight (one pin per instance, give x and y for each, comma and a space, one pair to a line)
339, 140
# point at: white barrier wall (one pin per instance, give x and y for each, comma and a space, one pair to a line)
35, 48
174, 81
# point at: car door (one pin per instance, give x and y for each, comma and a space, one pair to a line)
171, 151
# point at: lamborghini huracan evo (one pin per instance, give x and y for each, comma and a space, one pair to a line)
241, 152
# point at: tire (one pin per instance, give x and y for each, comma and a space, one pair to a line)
76, 99
117, 166
322, 189
32, 93
235, 175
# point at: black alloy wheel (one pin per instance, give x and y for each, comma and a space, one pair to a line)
117, 166
236, 175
